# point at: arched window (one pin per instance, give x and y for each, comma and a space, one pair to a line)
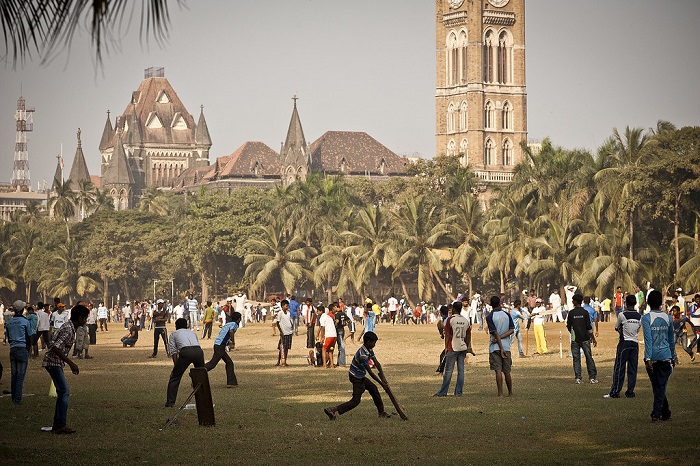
451, 148
451, 110
489, 152
463, 121
488, 49
507, 152
463, 56
452, 76
489, 115
463, 153
507, 116
504, 57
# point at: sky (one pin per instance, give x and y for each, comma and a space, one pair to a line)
360, 65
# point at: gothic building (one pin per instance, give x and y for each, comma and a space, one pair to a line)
480, 98
152, 142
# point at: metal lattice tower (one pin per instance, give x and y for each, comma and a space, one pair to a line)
25, 122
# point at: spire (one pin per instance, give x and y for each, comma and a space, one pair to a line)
107, 134
118, 170
135, 134
58, 176
295, 150
79, 170
201, 135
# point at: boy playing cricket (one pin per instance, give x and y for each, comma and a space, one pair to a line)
359, 369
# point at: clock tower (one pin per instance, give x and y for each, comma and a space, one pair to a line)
480, 96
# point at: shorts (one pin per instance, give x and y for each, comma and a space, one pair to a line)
329, 343
286, 341
498, 363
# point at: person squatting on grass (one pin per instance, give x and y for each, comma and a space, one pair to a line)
359, 369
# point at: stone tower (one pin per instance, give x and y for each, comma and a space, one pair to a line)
295, 156
480, 96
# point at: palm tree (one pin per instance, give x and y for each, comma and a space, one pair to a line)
626, 153
62, 202
21, 245
465, 232
85, 198
154, 201
63, 275
416, 238
276, 256
45, 26
103, 201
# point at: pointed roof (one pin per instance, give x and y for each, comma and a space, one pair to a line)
118, 170
58, 175
356, 152
156, 102
295, 149
254, 159
79, 170
107, 134
201, 135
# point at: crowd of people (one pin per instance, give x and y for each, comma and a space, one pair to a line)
55, 330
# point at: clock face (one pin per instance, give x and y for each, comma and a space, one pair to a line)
499, 3
454, 4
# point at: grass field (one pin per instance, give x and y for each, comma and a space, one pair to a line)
276, 416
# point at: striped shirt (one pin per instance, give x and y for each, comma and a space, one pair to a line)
360, 362
62, 340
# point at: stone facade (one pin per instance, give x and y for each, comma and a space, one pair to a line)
480, 98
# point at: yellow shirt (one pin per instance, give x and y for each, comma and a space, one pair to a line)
208, 315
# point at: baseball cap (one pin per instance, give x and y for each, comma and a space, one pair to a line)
19, 305
229, 299
160, 301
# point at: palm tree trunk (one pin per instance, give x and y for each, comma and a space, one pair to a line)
205, 290
676, 220
105, 289
329, 291
405, 292
442, 285
28, 288
503, 283
631, 237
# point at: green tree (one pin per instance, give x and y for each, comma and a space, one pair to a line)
62, 202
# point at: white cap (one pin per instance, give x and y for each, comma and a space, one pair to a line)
229, 299
160, 301
679, 289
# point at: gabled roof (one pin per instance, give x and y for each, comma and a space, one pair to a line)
79, 170
356, 152
201, 135
254, 159
118, 170
107, 134
191, 177
148, 101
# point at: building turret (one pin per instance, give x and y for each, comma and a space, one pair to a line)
295, 156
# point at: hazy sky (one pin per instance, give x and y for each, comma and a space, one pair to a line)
361, 65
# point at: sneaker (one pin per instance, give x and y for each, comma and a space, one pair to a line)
330, 412
611, 396
629, 395
594, 380
153, 356
384, 414
578, 381
169, 405
63, 431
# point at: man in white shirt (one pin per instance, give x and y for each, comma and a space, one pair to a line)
43, 325
327, 336
103, 317
192, 311
239, 301
185, 350
555, 301
59, 317
283, 320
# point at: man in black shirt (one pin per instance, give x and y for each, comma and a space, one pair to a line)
578, 322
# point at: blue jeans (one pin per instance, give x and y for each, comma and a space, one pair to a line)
451, 358
62, 393
519, 336
576, 348
659, 379
626, 358
18, 367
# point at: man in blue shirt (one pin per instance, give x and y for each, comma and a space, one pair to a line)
501, 329
226, 337
294, 313
659, 354
595, 318
20, 341
517, 314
